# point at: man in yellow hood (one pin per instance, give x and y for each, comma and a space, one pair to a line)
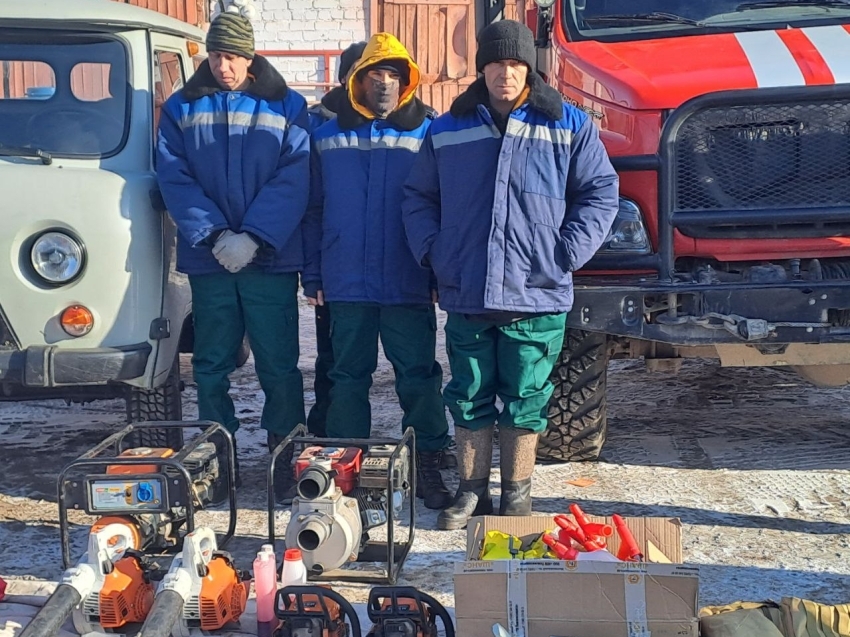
359, 263
384, 80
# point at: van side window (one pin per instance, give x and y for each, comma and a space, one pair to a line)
167, 80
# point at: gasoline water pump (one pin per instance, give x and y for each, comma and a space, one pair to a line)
347, 487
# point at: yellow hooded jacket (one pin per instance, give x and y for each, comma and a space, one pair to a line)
381, 47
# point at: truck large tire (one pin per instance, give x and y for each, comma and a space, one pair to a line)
161, 403
578, 414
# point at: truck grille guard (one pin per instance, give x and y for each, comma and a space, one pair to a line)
762, 163
807, 126
736, 165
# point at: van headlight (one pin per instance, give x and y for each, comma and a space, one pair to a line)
628, 234
56, 257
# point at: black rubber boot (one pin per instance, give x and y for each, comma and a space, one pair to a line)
429, 482
284, 473
449, 455
518, 449
516, 497
473, 498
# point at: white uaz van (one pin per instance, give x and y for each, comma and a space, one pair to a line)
90, 303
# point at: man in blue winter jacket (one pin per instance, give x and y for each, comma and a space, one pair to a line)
233, 164
512, 191
359, 263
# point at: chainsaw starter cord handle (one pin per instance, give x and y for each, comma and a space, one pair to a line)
53, 614
166, 610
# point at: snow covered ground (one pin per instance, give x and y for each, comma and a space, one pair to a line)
755, 463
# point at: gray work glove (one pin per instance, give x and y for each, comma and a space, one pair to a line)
234, 251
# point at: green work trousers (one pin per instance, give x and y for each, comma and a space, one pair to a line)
408, 334
511, 361
226, 306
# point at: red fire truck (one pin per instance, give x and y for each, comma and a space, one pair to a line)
729, 124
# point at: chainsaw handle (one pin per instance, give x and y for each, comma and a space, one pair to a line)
283, 603
379, 593
441, 612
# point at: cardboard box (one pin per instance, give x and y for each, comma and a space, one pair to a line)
551, 598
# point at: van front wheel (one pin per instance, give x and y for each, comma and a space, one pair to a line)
162, 403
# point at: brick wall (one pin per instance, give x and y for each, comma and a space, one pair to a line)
312, 25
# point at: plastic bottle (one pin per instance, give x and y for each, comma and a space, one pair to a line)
294, 572
265, 585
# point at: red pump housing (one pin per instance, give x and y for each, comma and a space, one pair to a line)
345, 461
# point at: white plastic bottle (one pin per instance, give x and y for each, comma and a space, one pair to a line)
294, 572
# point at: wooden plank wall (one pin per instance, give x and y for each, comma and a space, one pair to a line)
191, 11
440, 34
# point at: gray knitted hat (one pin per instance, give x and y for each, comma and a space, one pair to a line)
231, 33
505, 40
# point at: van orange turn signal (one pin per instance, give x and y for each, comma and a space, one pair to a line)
77, 320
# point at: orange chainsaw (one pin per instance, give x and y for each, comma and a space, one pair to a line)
403, 611
314, 611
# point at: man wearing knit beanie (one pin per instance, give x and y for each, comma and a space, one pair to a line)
232, 164
230, 44
511, 193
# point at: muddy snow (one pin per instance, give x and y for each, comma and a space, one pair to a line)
755, 464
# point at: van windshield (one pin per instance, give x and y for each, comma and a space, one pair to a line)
619, 20
62, 94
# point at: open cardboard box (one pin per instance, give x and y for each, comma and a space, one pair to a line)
551, 598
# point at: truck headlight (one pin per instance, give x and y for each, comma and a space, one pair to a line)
56, 257
628, 234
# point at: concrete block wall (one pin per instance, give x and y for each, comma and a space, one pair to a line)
312, 25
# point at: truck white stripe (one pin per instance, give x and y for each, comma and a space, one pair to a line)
771, 60
833, 43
